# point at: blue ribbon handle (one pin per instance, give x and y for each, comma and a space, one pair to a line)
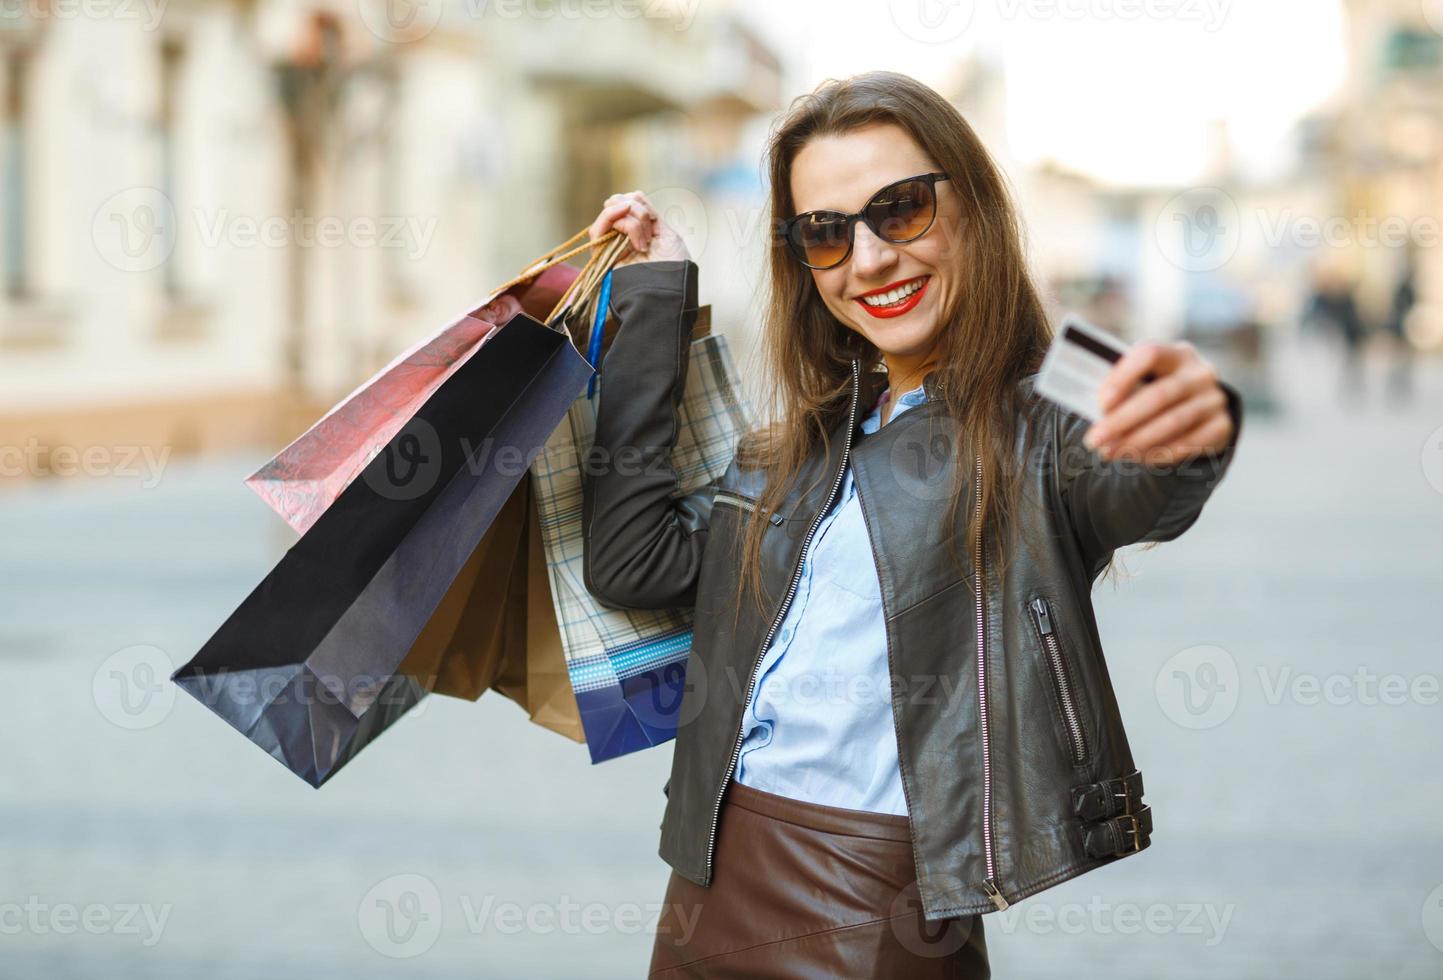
598, 325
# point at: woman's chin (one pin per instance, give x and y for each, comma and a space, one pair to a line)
901, 339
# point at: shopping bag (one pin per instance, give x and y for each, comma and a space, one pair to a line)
495, 628
308, 666
628, 667
480, 621
305, 477
534, 674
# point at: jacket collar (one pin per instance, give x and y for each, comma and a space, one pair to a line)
934, 386
874, 380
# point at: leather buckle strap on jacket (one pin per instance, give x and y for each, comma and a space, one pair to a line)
1118, 821
1118, 836
1095, 801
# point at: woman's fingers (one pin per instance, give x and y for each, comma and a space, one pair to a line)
603, 221
1142, 362
634, 203
625, 213
616, 215
645, 202
1183, 397
633, 215
1150, 401
1172, 426
1210, 436
635, 230
1148, 378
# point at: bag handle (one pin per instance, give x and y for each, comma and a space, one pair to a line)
584, 289
597, 265
598, 326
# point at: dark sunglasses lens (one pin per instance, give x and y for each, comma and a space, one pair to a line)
903, 211
821, 239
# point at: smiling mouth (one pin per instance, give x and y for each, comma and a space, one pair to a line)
895, 299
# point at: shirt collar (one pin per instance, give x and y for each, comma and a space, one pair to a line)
873, 422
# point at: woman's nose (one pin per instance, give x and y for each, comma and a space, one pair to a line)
871, 256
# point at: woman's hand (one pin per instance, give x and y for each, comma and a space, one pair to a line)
1180, 414
652, 240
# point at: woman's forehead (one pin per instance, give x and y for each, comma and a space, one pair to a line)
840, 173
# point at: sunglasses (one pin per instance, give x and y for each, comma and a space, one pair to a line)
898, 213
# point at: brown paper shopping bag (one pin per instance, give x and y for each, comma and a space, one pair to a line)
496, 626
461, 648
533, 673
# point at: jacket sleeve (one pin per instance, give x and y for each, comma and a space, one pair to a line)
642, 540
1112, 503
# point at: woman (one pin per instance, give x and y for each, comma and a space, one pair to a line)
898, 714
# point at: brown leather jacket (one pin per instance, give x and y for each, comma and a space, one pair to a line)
1013, 758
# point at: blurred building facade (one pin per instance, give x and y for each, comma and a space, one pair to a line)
1090, 242
1230, 258
1379, 148
217, 216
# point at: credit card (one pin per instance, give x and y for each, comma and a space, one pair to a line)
1079, 359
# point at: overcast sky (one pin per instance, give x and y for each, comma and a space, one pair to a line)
1121, 89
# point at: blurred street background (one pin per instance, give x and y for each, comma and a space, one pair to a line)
218, 216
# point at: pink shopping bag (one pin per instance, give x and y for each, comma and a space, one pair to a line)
307, 476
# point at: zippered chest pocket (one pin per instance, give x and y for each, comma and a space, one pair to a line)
1065, 684
730, 498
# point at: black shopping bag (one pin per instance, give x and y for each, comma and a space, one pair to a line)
306, 667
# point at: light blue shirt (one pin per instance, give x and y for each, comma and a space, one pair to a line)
819, 727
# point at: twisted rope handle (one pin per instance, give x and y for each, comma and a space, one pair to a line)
583, 288
588, 283
597, 265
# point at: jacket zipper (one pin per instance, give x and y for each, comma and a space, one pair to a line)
746, 503
1042, 616
781, 613
892, 672
988, 845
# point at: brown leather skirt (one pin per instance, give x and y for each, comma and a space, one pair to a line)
803, 890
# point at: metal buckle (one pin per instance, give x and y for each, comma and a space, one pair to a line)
1126, 798
1136, 834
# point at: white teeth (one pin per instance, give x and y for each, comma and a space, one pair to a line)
895, 295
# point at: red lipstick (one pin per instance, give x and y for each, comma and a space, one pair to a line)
896, 309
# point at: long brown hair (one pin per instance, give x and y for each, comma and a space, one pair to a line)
994, 332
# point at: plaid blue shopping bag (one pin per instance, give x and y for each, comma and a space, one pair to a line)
628, 667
